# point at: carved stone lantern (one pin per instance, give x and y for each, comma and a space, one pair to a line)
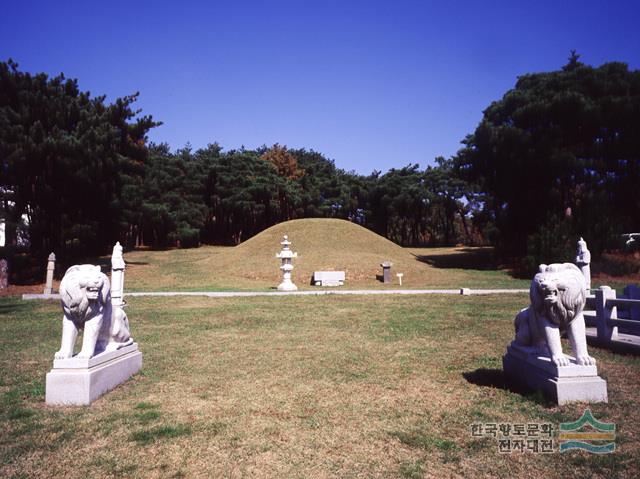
286, 256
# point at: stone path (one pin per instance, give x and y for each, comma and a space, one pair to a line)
235, 294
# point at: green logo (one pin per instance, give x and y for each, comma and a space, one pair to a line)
599, 439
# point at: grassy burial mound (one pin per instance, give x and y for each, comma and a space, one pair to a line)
322, 245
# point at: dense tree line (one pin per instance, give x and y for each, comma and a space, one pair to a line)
81, 172
220, 197
66, 160
558, 157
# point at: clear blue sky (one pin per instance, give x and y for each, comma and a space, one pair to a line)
372, 85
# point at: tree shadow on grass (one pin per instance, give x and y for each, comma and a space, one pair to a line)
478, 258
12, 304
103, 262
495, 378
464, 258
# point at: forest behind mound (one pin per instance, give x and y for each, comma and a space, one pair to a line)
557, 157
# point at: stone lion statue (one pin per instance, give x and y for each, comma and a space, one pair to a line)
558, 296
86, 302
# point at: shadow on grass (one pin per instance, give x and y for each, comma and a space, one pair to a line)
12, 304
466, 258
478, 259
495, 378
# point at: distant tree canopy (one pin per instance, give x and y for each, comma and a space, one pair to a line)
66, 160
558, 156
225, 198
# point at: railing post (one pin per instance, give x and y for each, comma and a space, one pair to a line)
632, 291
604, 313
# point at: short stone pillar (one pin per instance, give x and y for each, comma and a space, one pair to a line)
386, 271
400, 275
4, 273
632, 291
117, 276
604, 313
51, 266
583, 261
286, 256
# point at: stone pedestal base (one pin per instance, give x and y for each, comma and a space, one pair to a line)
79, 382
526, 368
287, 286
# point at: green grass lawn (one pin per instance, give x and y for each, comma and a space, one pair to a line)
298, 387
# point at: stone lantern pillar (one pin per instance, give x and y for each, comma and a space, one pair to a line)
286, 256
51, 266
117, 276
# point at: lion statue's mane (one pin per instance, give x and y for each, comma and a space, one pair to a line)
73, 292
566, 282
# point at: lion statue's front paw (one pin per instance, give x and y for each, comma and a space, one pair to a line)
586, 361
84, 355
61, 355
560, 360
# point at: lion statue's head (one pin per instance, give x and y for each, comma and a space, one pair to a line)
84, 289
558, 292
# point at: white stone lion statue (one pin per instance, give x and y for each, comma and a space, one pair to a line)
86, 302
558, 297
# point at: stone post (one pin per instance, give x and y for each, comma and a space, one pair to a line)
4, 273
632, 291
604, 313
117, 276
386, 272
583, 260
51, 266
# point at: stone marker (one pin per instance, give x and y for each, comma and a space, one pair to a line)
535, 360
117, 276
51, 266
328, 278
386, 271
108, 355
4, 273
400, 275
286, 256
583, 260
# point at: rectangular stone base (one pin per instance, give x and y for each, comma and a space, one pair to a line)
80, 382
329, 283
527, 369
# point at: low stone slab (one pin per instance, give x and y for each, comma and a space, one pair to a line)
79, 382
328, 278
526, 368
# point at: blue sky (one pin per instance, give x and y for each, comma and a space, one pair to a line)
372, 85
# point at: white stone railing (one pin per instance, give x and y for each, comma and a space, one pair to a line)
604, 315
